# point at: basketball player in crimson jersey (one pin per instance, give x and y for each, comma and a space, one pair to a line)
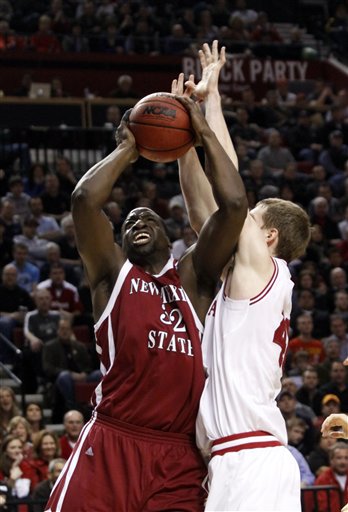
239, 426
138, 453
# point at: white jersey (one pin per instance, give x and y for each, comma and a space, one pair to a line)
244, 346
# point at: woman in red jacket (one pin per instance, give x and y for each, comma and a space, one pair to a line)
16, 471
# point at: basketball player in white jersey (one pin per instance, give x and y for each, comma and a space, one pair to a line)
239, 426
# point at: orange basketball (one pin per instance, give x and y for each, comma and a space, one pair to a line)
162, 127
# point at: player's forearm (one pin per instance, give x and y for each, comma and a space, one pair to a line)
216, 121
196, 189
96, 185
227, 185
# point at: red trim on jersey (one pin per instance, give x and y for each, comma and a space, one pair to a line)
244, 446
247, 446
234, 437
269, 286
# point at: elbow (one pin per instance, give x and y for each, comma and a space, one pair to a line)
239, 207
80, 196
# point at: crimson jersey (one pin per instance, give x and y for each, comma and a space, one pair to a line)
148, 341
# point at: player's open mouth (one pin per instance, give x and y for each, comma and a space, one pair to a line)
141, 238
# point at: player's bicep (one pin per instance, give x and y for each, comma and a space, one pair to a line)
252, 247
95, 242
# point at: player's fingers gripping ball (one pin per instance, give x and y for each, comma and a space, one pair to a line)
162, 127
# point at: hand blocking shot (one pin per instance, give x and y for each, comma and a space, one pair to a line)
138, 451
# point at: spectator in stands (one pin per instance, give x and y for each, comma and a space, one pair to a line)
177, 43
338, 281
24, 89
65, 174
177, 219
288, 407
54, 256
14, 469
249, 16
341, 305
337, 28
188, 238
5, 246
65, 361
88, 19
320, 216
305, 304
338, 329
317, 178
27, 274
67, 243
332, 350
44, 40
46, 448
236, 32
40, 326
275, 114
242, 131
296, 428
43, 489
34, 416
207, 31
48, 228
336, 475
7, 36
34, 181
273, 155
57, 89
37, 247
321, 95
256, 177
304, 139
112, 41
124, 88
20, 427
285, 97
255, 111
308, 393
337, 384
73, 422
75, 42
142, 40
305, 341
19, 199
8, 409
55, 202
14, 302
334, 122
264, 31
318, 459
60, 21
334, 158
64, 295
330, 404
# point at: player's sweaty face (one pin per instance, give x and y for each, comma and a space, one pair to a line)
141, 228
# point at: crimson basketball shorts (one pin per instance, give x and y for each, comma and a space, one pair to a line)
117, 467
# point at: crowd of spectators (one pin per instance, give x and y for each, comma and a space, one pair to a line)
293, 146
135, 27
299, 153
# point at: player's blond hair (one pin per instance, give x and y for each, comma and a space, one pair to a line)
293, 226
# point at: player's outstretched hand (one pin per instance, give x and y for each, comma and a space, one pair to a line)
125, 137
211, 61
335, 426
199, 123
178, 88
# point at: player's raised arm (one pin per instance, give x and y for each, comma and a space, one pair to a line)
199, 199
220, 233
101, 257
